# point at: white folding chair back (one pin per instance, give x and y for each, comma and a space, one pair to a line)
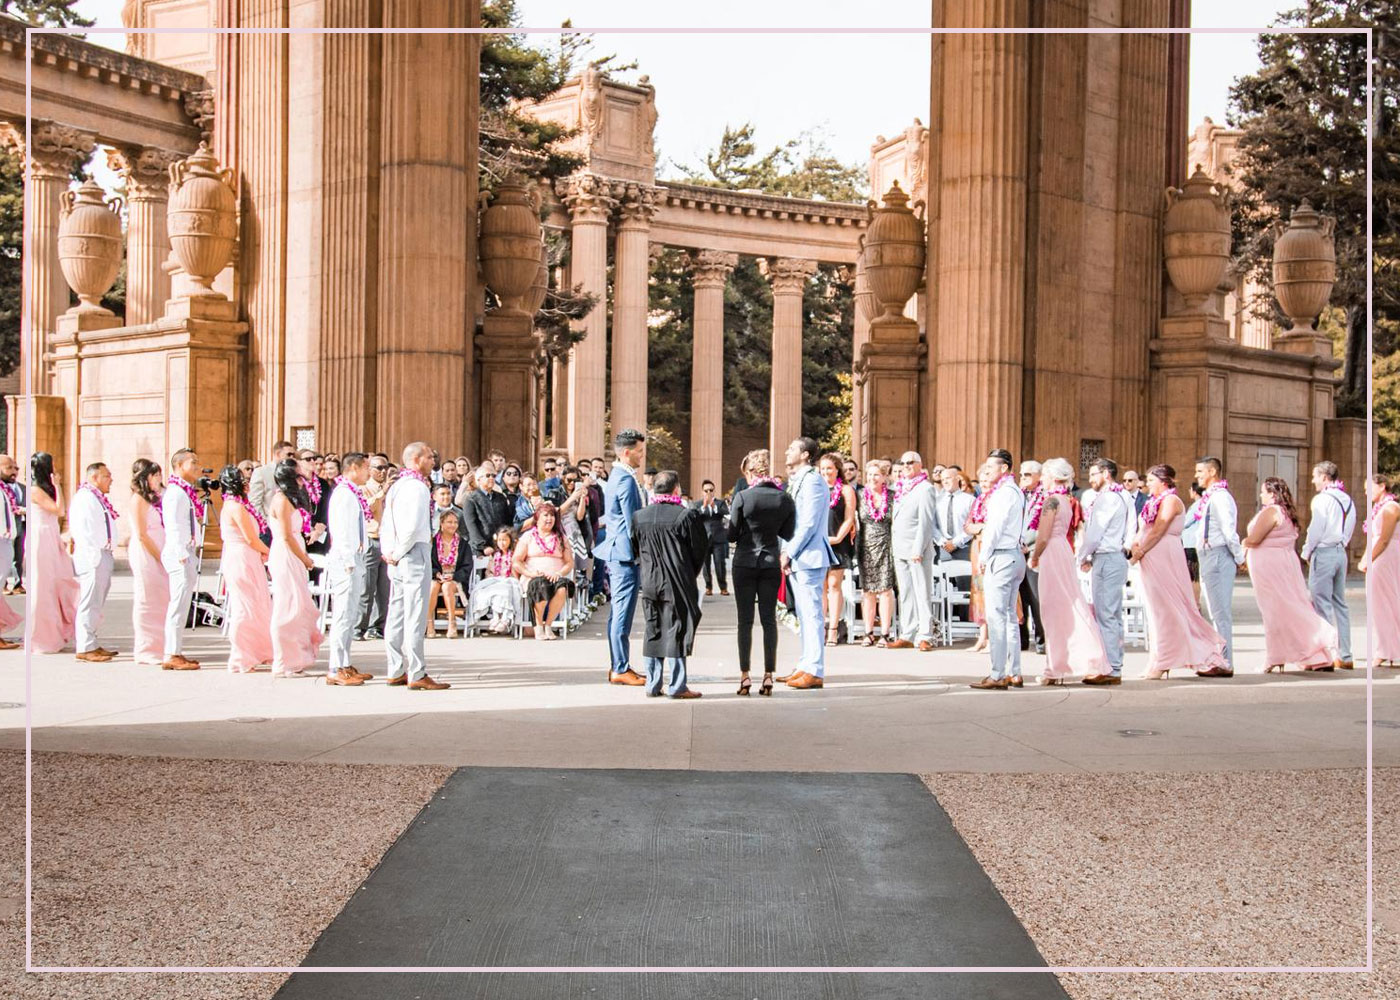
321, 590
1134, 610
950, 597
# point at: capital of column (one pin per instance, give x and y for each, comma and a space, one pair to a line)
147, 171
787, 275
711, 268
56, 149
588, 197
637, 204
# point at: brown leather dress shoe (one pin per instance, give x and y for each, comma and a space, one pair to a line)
1216, 672
1349, 665
925, 646
93, 656
179, 663
629, 677
109, 652
426, 683
7, 644
805, 682
899, 644
344, 677
360, 673
1015, 681
193, 664
1101, 679
787, 677
686, 694
400, 681
991, 684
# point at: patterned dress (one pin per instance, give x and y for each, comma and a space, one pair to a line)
876, 556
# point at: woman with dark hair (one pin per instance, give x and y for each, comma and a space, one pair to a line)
249, 603
52, 583
1293, 631
296, 633
1181, 638
841, 533
544, 560
1381, 564
761, 518
452, 562
150, 583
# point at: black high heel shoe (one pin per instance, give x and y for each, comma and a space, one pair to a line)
744, 685
767, 687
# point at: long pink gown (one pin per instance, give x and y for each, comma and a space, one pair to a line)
249, 602
1072, 639
150, 593
51, 586
296, 634
1180, 637
1383, 600
1293, 631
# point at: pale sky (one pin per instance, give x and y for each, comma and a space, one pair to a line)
851, 87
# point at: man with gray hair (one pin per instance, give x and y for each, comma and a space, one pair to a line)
404, 543
1109, 524
1003, 568
1325, 551
911, 540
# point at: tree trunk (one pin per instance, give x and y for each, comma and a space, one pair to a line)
1353, 392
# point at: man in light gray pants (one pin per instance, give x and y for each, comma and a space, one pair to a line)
1220, 556
1325, 550
1003, 569
404, 538
1109, 522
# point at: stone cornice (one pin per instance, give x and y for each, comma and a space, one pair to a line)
1195, 352
75, 55
722, 200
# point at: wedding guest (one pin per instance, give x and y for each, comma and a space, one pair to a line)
243, 565
1325, 552
51, 583
1381, 564
262, 486
374, 602
761, 518
498, 592
317, 490
1072, 639
510, 482
973, 527
1132, 485
544, 561
951, 505
296, 630
406, 540
713, 512
841, 534
1003, 565
1181, 638
1110, 524
486, 510
877, 575
442, 504
1221, 555
850, 472
348, 515
805, 558
92, 524
670, 544
1293, 631
621, 502
1029, 592
911, 542
182, 513
150, 586
452, 574
12, 559
10, 522
531, 496
330, 468
247, 467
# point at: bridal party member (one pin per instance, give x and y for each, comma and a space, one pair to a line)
249, 605
52, 585
296, 633
1293, 631
92, 525
10, 521
1381, 564
1072, 638
150, 593
1181, 638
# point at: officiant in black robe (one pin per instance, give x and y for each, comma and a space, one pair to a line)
671, 545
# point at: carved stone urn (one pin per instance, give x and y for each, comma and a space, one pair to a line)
893, 254
1197, 239
535, 300
202, 218
89, 245
510, 245
1305, 266
865, 298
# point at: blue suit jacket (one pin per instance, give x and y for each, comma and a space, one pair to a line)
622, 498
808, 547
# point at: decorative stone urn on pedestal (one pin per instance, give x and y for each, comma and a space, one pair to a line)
510, 245
1197, 240
893, 255
202, 219
865, 298
534, 301
89, 245
1305, 266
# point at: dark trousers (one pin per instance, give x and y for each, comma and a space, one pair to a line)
761, 585
1030, 603
719, 555
374, 596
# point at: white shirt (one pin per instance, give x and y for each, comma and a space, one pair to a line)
181, 528
1219, 525
950, 510
9, 519
1333, 521
1006, 511
1110, 523
347, 526
405, 522
92, 528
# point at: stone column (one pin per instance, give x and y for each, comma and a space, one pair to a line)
788, 278
629, 330
711, 270
559, 403
147, 172
590, 205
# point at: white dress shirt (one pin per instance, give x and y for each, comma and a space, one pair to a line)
181, 529
1006, 511
1109, 525
9, 517
347, 526
406, 518
1333, 520
1220, 525
950, 510
92, 529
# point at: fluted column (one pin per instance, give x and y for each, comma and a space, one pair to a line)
559, 402
788, 278
981, 257
590, 205
860, 335
147, 173
711, 271
629, 334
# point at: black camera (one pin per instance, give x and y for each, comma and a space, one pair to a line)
206, 482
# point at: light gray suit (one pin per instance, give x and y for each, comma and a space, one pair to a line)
1108, 530
1220, 555
262, 487
911, 535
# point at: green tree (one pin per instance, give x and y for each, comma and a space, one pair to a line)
50, 13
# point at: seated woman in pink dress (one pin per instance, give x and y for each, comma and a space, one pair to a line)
296, 633
150, 586
51, 584
1180, 637
1072, 638
544, 562
1293, 631
1381, 564
243, 566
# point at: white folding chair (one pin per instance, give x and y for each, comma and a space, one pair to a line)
953, 597
321, 590
850, 605
475, 613
1134, 610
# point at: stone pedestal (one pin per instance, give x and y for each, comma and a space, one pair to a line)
1195, 327
889, 377
629, 333
507, 352
712, 270
789, 278
1307, 342
67, 384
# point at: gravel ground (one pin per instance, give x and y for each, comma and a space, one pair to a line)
1205, 869
152, 861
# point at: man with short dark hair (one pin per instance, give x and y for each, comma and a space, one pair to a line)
262, 488
1003, 568
1219, 554
374, 601
345, 564
12, 528
714, 515
1109, 525
806, 556
92, 523
621, 501
182, 513
670, 544
1330, 527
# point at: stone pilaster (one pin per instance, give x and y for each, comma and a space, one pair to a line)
788, 277
590, 205
147, 173
637, 205
508, 353
711, 271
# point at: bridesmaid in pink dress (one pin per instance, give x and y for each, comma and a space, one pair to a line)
150, 585
296, 634
1293, 631
1180, 637
242, 565
1072, 638
1381, 564
51, 585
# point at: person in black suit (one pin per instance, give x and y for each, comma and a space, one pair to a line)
713, 513
1132, 482
762, 516
487, 511
318, 492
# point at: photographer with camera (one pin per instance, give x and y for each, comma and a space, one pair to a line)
182, 509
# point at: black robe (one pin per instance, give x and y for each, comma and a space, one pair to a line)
671, 546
